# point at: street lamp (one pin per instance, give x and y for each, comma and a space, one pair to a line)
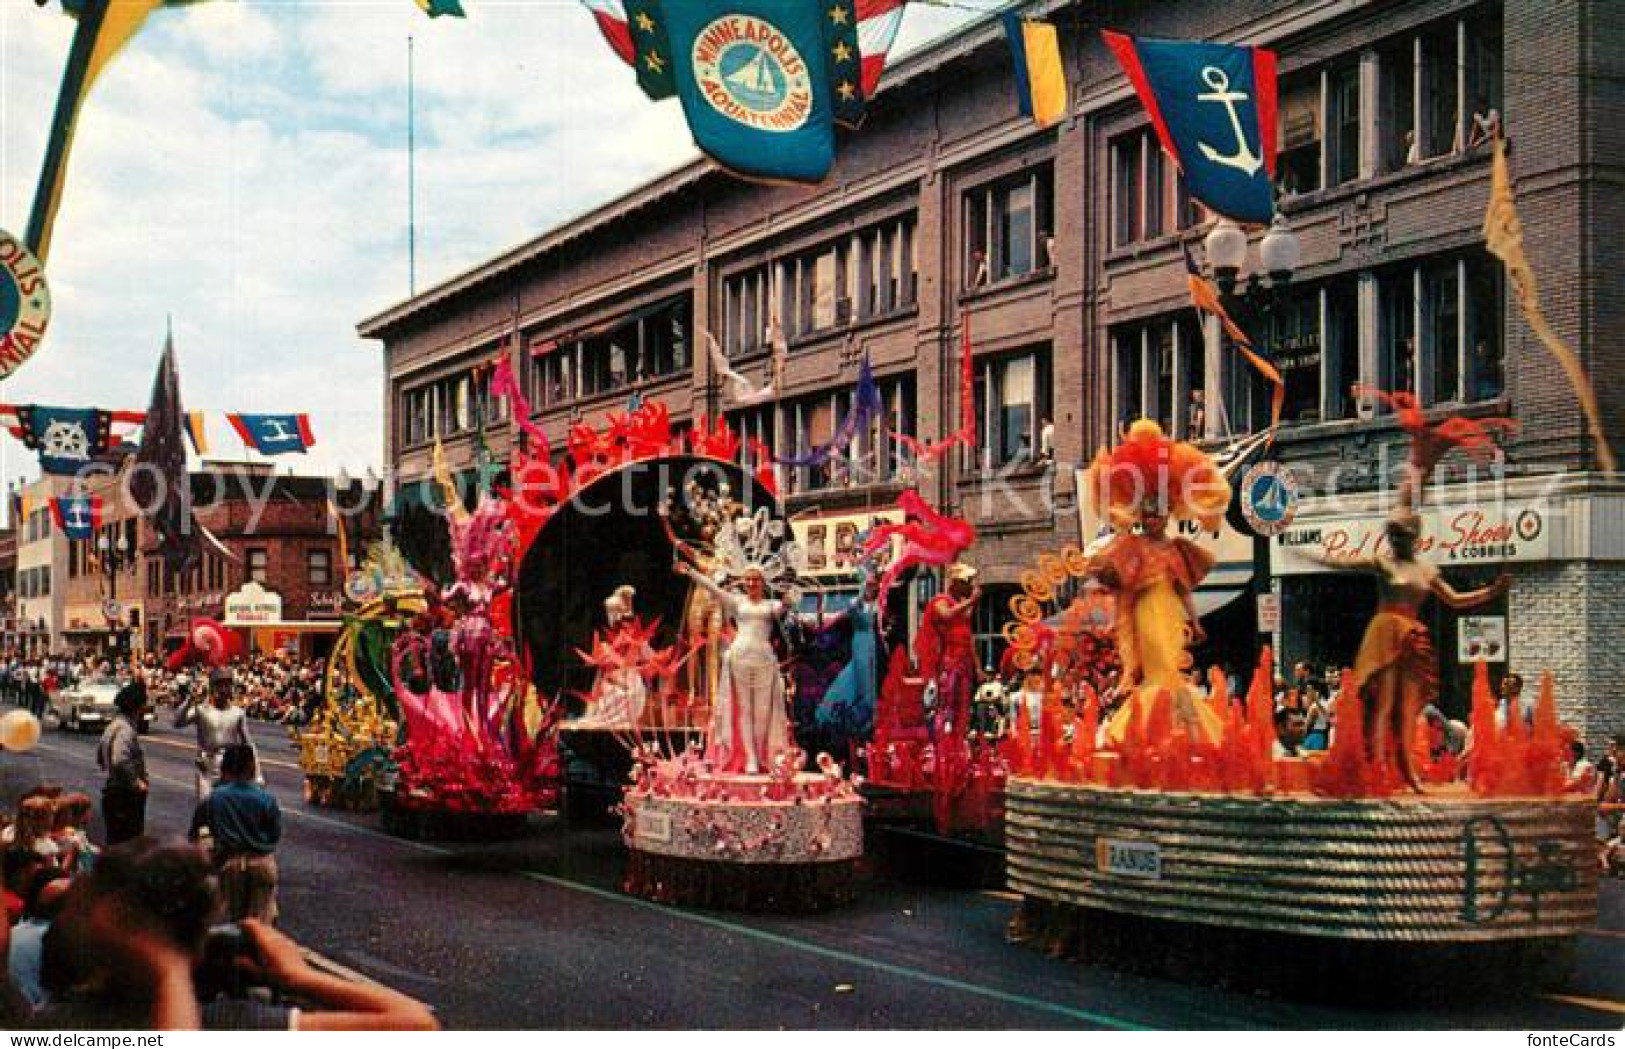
1252, 305
1278, 255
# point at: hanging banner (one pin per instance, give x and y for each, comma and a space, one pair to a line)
25, 304
273, 434
1213, 108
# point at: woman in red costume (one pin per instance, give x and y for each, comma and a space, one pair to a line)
1142, 485
947, 649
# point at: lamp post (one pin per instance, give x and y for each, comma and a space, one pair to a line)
115, 555
1252, 304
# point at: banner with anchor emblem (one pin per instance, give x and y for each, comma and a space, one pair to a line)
273, 434
1213, 107
77, 516
763, 82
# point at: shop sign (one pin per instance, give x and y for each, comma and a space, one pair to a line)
326, 602
1481, 639
832, 540
1129, 859
253, 605
1452, 537
1269, 498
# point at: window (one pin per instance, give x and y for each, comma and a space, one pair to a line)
415, 416
1441, 332
1342, 348
1008, 227
1128, 187
862, 275
874, 455
1293, 343
1170, 354
319, 567
1440, 89
1298, 134
1312, 338
1343, 103
1012, 397
552, 370
258, 564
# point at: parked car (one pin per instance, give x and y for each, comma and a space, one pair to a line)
88, 706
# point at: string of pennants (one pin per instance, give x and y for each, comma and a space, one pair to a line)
68, 439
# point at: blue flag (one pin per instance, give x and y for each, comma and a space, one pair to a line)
1213, 106
78, 516
273, 434
762, 82
67, 439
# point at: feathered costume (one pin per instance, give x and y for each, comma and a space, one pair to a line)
1143, 483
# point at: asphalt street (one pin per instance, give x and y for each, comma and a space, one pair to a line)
534, 933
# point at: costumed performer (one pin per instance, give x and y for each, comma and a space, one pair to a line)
749, 724
619, 694
1142, 485
946, 649
848, 706
220, 724
1396, 673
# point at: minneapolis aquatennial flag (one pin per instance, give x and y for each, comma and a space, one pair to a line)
105, 26
436, 8
273, 434
1213, 107
1040, 77
77, 516
762, 82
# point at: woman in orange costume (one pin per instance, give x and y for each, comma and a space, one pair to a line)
1142, 485
1396, 674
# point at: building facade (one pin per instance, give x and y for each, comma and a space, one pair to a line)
112, 593
1059, 255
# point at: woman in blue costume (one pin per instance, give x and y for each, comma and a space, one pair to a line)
848, 707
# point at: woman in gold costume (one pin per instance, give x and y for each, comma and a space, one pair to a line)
1142, 486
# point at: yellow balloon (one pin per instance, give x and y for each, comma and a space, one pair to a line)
19, 731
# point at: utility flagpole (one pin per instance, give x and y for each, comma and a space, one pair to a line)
411, 174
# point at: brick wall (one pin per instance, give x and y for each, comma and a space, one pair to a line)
1568, 618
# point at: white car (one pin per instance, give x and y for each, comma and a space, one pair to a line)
89, 706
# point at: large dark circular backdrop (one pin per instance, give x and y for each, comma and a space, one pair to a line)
610, 535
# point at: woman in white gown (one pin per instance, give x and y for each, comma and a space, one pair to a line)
749, 724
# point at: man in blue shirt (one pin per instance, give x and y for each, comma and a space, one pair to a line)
242, 825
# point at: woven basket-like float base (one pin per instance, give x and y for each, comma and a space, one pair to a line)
1362, 972
1441, 869
775, 888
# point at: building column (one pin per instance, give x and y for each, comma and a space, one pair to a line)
1370, 147
1368, 320
1213, 377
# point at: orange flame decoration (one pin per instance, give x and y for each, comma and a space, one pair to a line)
1514, 761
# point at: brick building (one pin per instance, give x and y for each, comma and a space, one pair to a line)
1063, 250
111, 592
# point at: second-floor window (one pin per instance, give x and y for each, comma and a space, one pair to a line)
1441, 330
1009, 227
259, 564
874, 455
456, 404
1161, 374
319, 567
1013, 406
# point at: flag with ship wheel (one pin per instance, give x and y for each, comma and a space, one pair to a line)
764, 83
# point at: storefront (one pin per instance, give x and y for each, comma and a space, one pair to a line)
256, 614
1558, 538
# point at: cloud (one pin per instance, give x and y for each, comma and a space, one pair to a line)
242, 168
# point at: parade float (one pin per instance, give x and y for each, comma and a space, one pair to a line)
1152, 824
344, 750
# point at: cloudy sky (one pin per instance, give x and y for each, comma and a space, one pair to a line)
242, 168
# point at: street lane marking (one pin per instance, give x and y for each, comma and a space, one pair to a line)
1602, 1005
760, 935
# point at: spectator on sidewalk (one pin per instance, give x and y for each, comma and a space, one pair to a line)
25, 960
124, 797
125, 951
241, 824
70, 831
